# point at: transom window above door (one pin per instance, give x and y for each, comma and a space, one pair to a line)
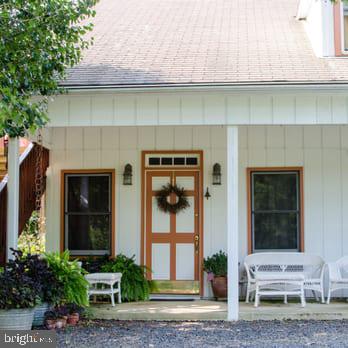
157, 160
88, 212
275, 211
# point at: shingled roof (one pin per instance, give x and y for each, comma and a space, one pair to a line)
141, 42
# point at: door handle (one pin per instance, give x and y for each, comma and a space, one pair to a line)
196, 244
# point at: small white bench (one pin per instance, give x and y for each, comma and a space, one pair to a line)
338, 276
108, 279
284, 273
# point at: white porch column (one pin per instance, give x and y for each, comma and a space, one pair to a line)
232, 223
12, 195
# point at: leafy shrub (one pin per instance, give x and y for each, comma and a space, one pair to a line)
94, 264
134, 285
70, 274
216, 264
36, 267
17, 288
32, 238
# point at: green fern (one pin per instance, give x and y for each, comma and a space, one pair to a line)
134, 285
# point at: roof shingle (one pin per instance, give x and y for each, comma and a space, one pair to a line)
141, 42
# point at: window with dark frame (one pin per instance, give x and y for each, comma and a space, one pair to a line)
88, 213
275, 210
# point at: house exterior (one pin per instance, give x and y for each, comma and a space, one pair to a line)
173, 88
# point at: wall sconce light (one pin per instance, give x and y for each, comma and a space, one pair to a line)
217, 174
127, 174
207, 194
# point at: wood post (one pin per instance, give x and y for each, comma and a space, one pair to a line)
13, 195
232, 223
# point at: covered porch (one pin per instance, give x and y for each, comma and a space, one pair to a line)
321, 151
217, 310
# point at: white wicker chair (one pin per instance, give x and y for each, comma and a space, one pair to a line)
310, 267
338, 276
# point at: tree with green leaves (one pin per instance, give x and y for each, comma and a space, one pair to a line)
39, 41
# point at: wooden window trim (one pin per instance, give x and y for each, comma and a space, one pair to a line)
62, 197
274, 169
338, 33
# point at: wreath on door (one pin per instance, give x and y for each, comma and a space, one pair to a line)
163, 199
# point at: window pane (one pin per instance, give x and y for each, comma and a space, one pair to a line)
89, 232
275, 230
275, 191
88, 193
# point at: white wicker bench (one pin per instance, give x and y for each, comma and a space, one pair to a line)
108, 279
338, 276
284, 274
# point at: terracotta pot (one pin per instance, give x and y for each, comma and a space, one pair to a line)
61, 323
50, 324
73, 318
219, 285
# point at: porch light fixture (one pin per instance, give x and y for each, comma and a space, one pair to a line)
127, 174
217, 174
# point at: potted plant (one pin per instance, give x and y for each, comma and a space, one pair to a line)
19, 294
216, 267
51, 319
74, 313
135, 286
51, 289
62, 316
71, 275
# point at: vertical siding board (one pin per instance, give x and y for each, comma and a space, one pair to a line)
102, 110
58, 111
261, 110
164, 138
283, 110
192, 110
215, 110
125, 111
324, 110
339, 109
332, 203
147, 110
238, 110
306, 108
169, 109
313, 201
344, 195
80, 111
183, 138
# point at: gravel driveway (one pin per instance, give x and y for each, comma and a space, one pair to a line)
110, 333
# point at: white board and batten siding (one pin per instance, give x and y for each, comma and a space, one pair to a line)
321, 150
114, 147
155, 109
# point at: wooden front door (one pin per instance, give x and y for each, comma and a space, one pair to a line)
173, 240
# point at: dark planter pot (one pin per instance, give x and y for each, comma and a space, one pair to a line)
219, 286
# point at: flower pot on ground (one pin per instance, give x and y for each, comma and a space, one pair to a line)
74, 312
216, 267
219, 286
50, 287
50, 319
73, 318
19, 294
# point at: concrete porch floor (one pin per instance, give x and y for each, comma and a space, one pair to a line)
217, 310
